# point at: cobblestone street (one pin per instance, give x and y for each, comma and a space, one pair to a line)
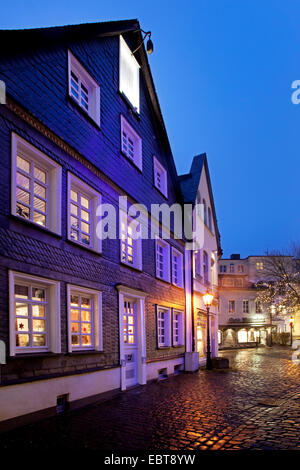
206, 410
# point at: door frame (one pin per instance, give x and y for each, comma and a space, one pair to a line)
138, 297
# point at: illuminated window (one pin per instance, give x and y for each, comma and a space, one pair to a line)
129, 323
36, 186
163, 260
177, 268
82, 207
231, 306
205, 267
258, 308
84, 89
131, 242
178, 330
245, 306
160, 177
242, 336
163, 327
197, 263
240, 268
34, 311
129, 75
84, 318
131, 143
259, 265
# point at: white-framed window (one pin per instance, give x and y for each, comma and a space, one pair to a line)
205, 267
240, 268
34, 314
131, 143
35, 186
258, 307
83, 88
178, 328
223, 268
246, 306
231, 306
197, 263
209, 218
231, 268
131, 241
129, 72
177, 268
160, 177
82, 213
163, 327
84, 319
162, 260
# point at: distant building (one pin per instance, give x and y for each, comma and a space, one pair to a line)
197, 190
243, 321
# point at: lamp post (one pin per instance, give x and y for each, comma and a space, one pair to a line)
292, 326
207, 299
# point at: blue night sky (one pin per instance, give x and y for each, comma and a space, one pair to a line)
223, 72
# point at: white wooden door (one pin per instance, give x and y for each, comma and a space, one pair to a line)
130, 338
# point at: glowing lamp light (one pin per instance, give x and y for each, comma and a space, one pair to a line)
149, 46
292, 321
208, 299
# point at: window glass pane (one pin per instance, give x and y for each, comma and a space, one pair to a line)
74, 223
86, 340
85, 227
39, 340
40, 174
85, 239
74, 195
38, 294
39, 218
22, 324
38, 325
23, 211
85, 202
23, 196
74, 234
85, 302
85, 327
74, 209
75, 327
75, 300
23, 164
22, 180
75, 340
39, 204
75, 314
85, 215
38, 310
22, 340
40, 190
21, 309
21, 291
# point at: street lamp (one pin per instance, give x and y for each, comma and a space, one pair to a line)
207, 299
292, 326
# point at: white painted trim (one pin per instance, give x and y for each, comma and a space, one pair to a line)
54, 171
160, 241
141, 334
188, 300
54, 325
180, 266
96, 198
138, 154
158, 166
135, 66
92, 85
97, 320
167, 327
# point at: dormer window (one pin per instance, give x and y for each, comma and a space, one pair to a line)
160, 177
129, 75
131, 143
84, 89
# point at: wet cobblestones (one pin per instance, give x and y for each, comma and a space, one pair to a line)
202, 411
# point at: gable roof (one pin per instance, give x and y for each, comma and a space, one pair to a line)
189, 184
19, 41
